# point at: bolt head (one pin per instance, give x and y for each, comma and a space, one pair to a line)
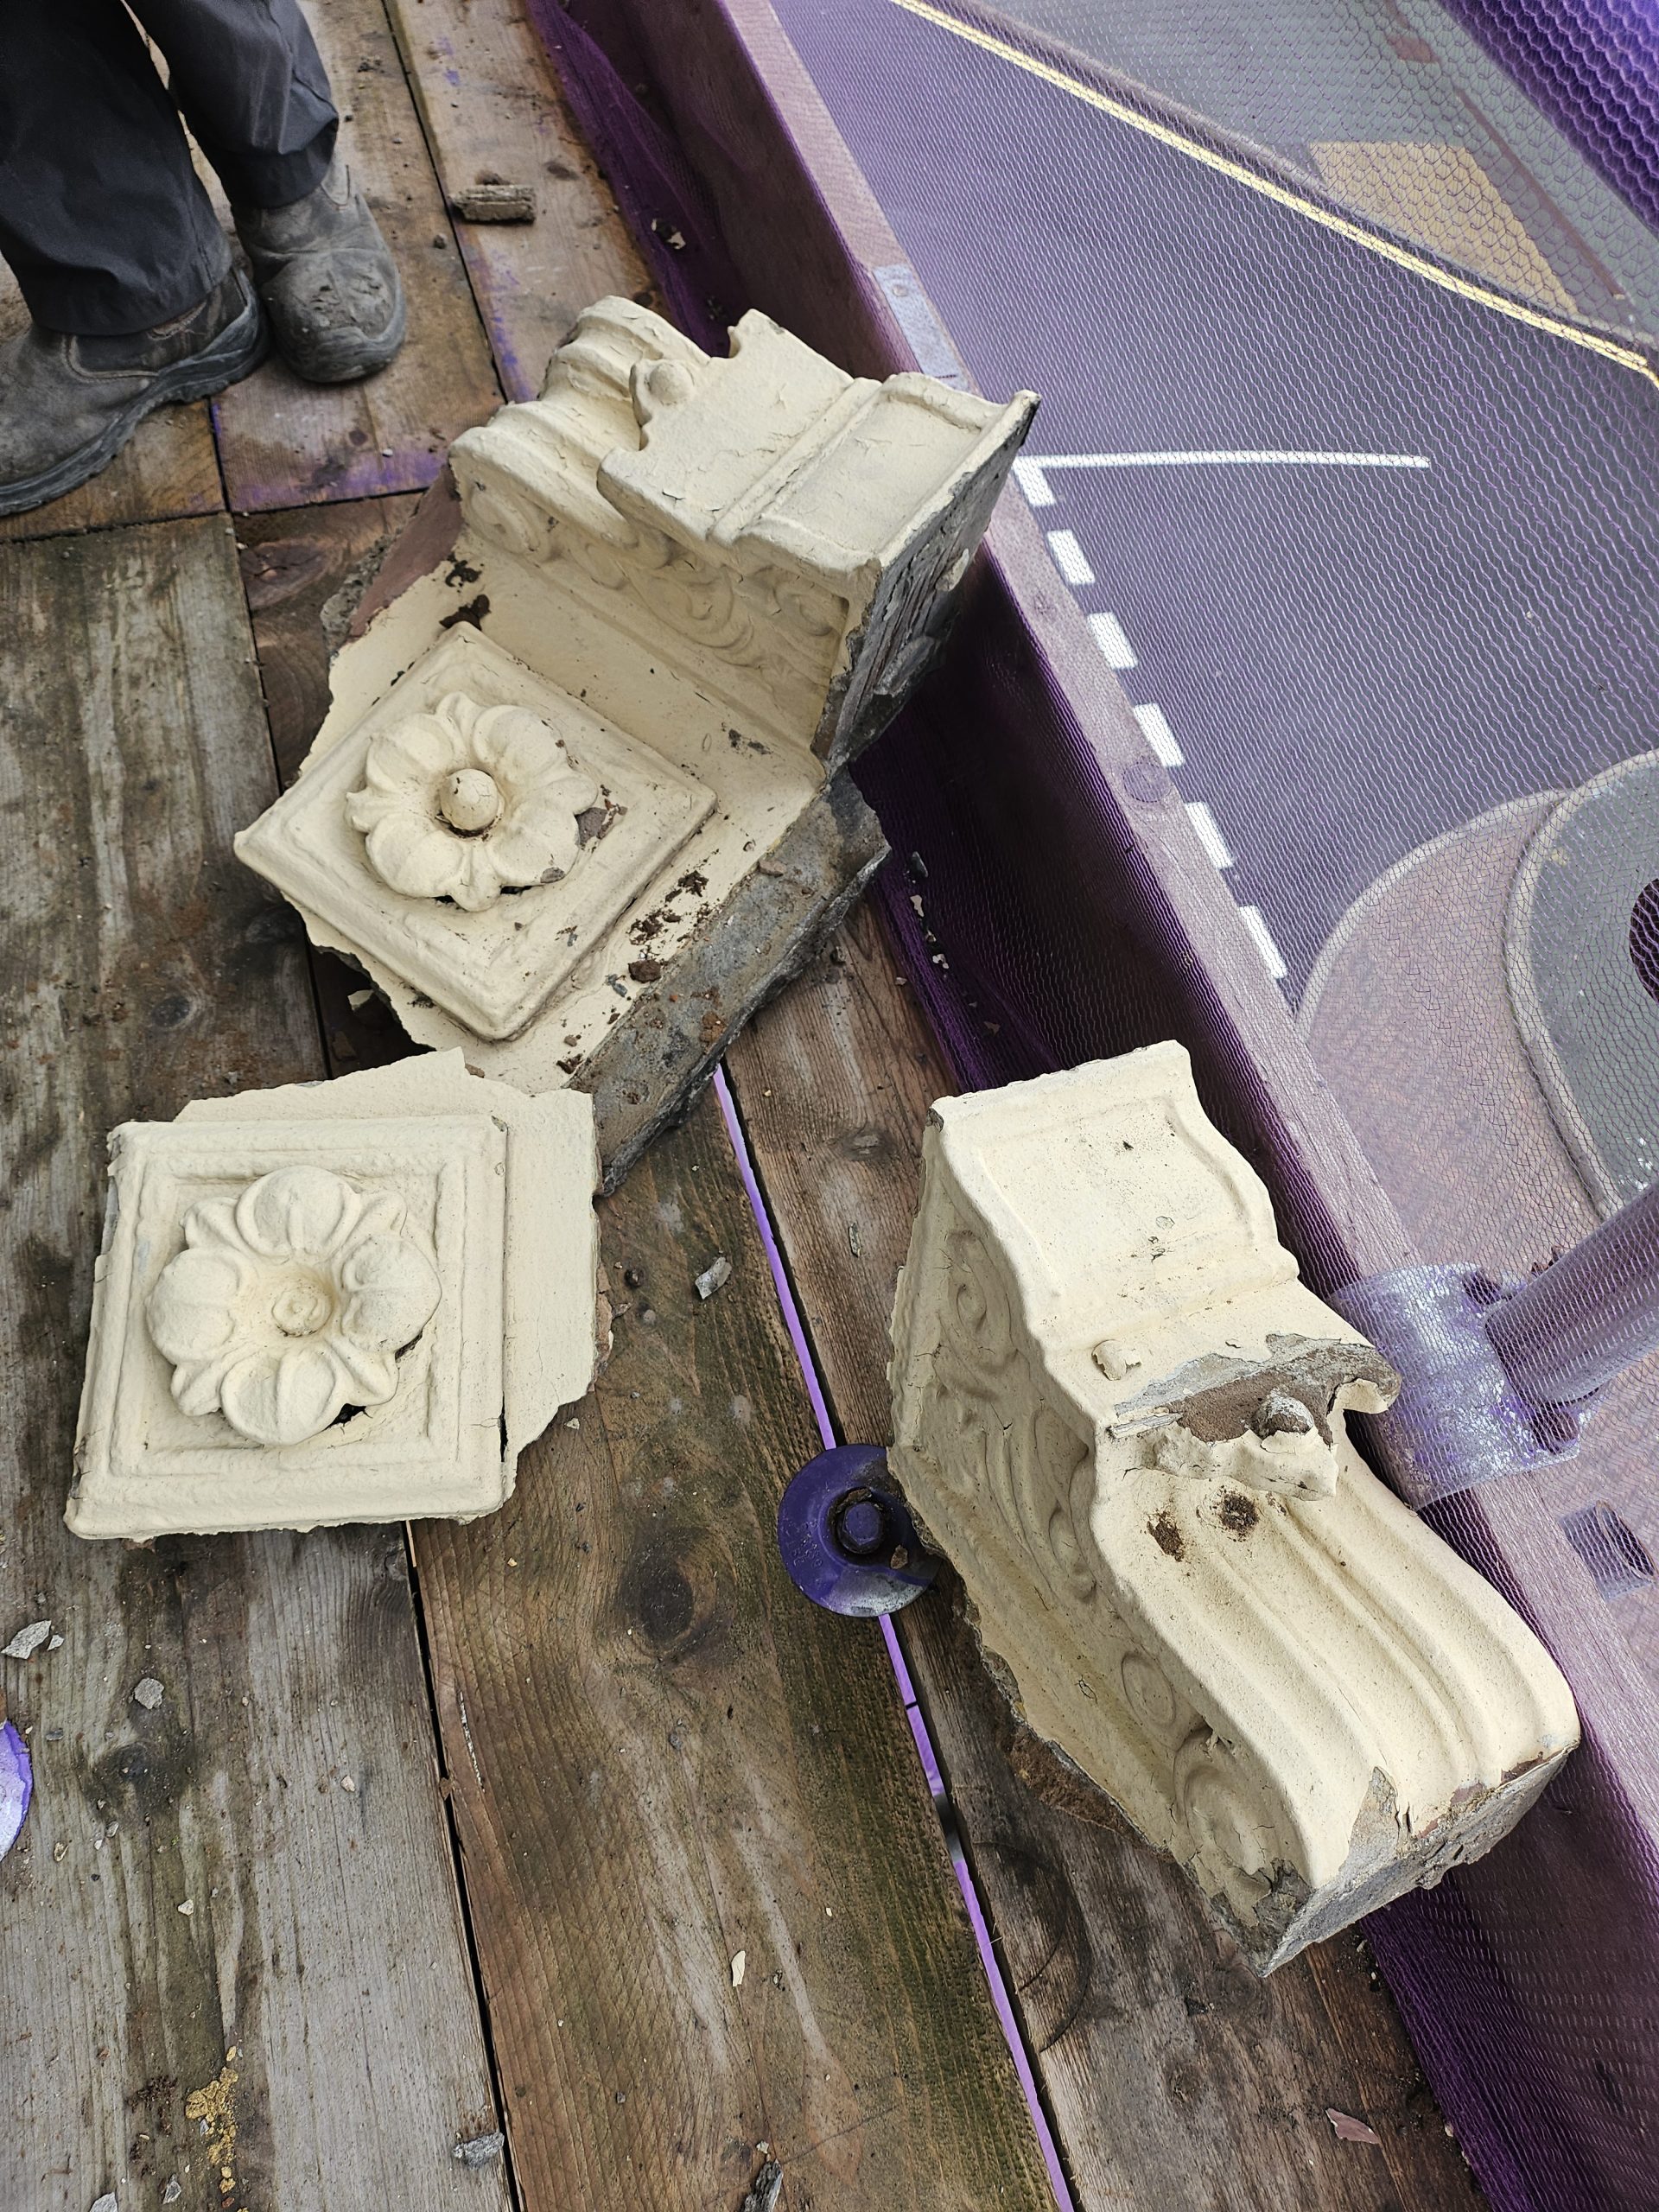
861, 1524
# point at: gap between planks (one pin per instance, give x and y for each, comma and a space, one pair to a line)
1155, 2056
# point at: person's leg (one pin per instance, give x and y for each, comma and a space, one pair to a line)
248, 78
133, 298
102, 218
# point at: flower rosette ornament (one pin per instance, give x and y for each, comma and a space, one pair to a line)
290, 1303
464, 801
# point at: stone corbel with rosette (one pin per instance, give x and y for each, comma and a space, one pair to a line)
356, 1301
1123, 1418
581, 801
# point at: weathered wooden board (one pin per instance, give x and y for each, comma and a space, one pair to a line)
304, 569
658, 1755
668, 1771
494, 116
170, 468
1171, 2075
314, 2001
284, 443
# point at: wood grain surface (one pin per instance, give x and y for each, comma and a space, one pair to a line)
198, 1907
494, 116
284, 443
170, 468
1158, 2057
669, 1771
658, 1755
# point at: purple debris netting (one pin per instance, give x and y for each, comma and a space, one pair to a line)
1592, 65
1367, 534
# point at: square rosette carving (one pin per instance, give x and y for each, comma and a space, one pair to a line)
295, 1324
477, 833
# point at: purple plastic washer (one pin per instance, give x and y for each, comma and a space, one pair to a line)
841, 1528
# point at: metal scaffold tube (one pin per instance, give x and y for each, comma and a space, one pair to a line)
1588, 1316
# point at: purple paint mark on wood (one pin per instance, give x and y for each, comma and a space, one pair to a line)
16, 1786
358, 474
494, 286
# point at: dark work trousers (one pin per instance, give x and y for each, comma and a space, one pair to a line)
102, 218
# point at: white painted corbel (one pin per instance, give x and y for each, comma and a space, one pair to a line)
1123, 1418
580, 802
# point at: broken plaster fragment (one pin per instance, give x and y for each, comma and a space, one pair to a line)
1347, 2129
717, 1272
768, 2188
148, 1692
1204, 1596
27, 1640
408, 1254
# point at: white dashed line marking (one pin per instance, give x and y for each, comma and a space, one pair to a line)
1031, 472
1069, 558
1251, 918
1209, 833
1154, 727
1108, 636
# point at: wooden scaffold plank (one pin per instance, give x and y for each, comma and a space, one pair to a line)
233, 1902
284, 443
711, 1901
1171, 2071
504, 140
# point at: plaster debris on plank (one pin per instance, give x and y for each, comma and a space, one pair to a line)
580, 802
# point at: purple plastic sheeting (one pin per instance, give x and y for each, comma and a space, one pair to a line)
16, 1786
1062, 922
1593, 66
919, 1730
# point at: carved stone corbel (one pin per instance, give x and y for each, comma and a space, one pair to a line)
1123, 1418
580, 802
355, 1300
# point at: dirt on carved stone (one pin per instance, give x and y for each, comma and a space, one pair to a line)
1165, 1533
1239, 1513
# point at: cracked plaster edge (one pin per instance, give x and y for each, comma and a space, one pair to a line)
1375, 1872
745, 949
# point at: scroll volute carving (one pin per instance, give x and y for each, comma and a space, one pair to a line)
1124, 1418
789, 534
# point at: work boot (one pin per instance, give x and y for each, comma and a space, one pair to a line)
68, 404
328, 281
